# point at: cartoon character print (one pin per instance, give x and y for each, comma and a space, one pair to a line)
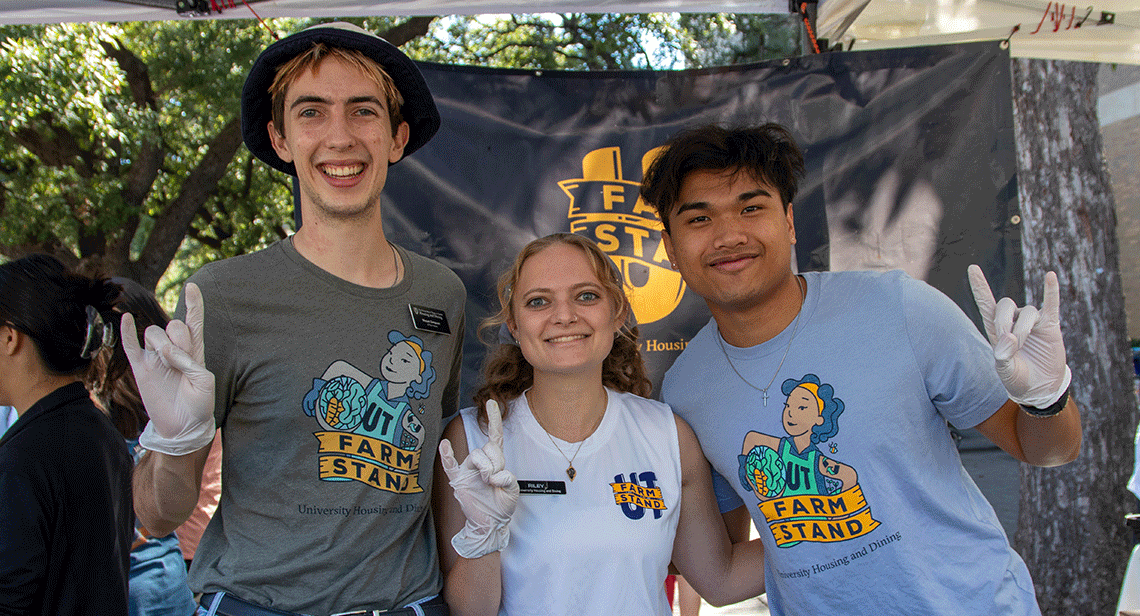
370, 431
777, 466
346, 399
789, 474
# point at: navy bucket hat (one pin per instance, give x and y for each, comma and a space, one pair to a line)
419, 109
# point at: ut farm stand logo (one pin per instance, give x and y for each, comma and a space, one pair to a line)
606, 207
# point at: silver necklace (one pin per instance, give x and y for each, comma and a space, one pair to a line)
795, 324
395, 265
570, 472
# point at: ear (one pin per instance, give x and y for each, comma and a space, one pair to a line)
791, 223
621, 316
399, 140
279, 144
10, 340
667, 242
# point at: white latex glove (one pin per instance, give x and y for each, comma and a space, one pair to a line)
487, 492
1027, 343
176, 388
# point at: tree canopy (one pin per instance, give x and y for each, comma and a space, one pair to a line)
121, 143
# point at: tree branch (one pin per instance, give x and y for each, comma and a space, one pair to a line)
174, 222
138, 76
56, 146
414, 27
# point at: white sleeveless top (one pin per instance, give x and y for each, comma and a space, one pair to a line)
604, 546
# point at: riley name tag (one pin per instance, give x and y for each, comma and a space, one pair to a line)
531, 486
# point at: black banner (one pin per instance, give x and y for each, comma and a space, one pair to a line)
910, 156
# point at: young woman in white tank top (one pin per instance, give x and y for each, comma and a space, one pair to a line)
579, 497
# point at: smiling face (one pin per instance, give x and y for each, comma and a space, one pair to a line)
561, 315
338, 134
731, 237
801, 412
401, 364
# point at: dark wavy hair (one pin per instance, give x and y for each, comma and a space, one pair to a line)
111, 379
767, 152
507, 374
830, 406
42, 298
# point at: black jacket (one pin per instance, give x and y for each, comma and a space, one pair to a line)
66, 521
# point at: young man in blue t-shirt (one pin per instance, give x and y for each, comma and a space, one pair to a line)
823, 399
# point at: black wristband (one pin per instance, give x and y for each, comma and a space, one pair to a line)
1050, 410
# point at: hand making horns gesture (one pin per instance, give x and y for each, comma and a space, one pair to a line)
1028, 349
175, 386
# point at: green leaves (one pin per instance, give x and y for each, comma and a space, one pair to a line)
608, 41
102, 125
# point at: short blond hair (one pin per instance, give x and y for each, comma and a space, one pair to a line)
290, 71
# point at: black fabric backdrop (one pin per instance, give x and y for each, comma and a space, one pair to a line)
909, 152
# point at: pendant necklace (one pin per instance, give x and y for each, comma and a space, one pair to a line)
795, 324
570, 472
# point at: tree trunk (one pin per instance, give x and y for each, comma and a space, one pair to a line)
1070, 527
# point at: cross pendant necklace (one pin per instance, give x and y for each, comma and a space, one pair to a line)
795, 325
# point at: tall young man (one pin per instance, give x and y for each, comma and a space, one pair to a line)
329, 358
823, 399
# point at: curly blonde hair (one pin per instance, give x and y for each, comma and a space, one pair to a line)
507, 374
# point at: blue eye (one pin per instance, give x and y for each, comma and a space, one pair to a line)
535, 302
589, 296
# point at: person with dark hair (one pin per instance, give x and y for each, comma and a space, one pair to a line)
850, 474
65, 472
157, 576
328, 359
612, 486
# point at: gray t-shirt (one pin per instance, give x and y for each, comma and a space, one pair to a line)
330, 402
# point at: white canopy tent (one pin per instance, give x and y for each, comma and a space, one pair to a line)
1108, 31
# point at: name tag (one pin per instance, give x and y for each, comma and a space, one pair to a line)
429, 319
531, 486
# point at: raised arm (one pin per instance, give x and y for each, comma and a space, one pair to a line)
722, 572
473, 508
178, 393
1040, 424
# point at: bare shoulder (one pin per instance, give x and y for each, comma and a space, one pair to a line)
457, 435
692, 456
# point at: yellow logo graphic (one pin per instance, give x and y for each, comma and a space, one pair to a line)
824, 519
352, 457
649, 498
608, 209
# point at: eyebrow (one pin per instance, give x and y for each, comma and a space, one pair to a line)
311, 98
704, 205
576, 287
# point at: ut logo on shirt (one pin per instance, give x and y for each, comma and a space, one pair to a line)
638, 494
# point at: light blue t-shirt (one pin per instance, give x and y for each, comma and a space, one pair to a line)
850, 472
8, 416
